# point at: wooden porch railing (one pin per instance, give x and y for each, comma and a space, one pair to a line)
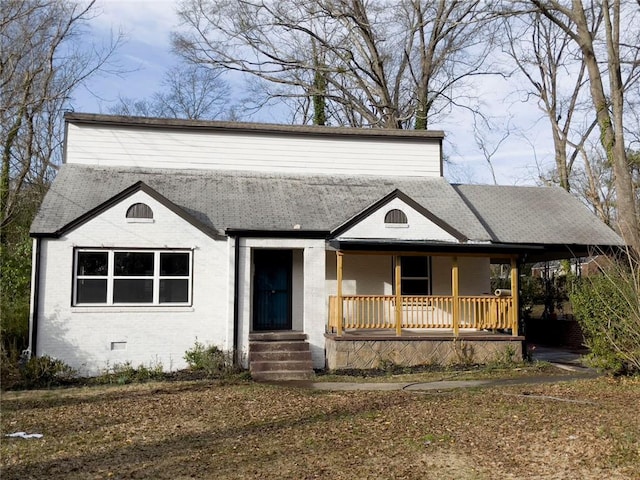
422, 312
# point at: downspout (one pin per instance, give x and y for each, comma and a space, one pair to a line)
236, 300
35, 298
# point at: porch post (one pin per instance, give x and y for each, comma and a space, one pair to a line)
398, 286
515, 297
455, 310
339, 281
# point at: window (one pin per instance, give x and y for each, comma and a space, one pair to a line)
139, 210
416, 275
132, 277
395, 216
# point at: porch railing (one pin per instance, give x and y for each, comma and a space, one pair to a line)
422, 312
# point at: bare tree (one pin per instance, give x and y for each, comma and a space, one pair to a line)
489, 139
380, 64
42, 62
190, 92
606, 53
555, 72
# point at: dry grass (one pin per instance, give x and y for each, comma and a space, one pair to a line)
585, 429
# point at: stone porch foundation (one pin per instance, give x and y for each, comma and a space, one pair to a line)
366, 351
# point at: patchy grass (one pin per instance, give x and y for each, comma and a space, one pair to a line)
436, 373
586, 429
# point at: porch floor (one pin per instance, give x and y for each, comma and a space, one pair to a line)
424, 334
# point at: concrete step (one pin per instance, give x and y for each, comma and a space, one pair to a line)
275, 355
281, 365
280, 356
282, 375
277, 337
278, 346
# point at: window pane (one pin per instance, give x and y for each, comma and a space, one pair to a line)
174, 290
92, 263
415, 266
133, 291
133, 263
174, 264
91, 291
415, 287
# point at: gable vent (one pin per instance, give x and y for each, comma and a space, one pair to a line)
139, 210
395, 216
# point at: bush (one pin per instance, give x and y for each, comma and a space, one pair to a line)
10, 375
124, 373
211, 360
608, 309
46, 372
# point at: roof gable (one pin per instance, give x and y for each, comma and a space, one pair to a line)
123, 196
422, 224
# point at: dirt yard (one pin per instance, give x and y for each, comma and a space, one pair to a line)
588, 429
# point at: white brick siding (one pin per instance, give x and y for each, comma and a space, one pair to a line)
82, 336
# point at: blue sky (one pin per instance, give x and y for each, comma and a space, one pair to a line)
146, 54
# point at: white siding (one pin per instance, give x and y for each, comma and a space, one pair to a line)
418, 227
373, 274
256, 152
361, 274
473, 275
82, 336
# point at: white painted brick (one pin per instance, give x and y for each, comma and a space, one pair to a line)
82, 336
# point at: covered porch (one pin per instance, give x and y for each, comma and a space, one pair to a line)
399, 313
454, 319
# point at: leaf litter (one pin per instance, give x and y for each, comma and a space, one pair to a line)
584, 429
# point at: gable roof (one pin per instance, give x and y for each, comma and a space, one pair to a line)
126, 193
218, 202
249, 201
410, 202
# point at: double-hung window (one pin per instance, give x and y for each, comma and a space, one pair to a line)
132, 277
415, 278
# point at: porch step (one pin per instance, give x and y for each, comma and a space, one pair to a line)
283, 376
277, 336
280, 346
280, 356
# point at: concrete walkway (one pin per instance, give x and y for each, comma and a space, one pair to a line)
561, 358
447, 384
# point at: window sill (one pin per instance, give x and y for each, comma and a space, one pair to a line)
396, 225
131, 308
140, 220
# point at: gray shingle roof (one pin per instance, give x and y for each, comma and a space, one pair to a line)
277, 202
537, 215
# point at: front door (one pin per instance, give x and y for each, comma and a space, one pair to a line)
272, 290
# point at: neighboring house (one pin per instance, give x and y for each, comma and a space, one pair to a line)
578, 266
159, 232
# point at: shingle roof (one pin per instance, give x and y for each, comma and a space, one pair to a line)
278, 202
538, 215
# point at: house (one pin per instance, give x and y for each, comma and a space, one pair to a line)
333, 246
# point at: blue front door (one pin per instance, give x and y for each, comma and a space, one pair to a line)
272, 290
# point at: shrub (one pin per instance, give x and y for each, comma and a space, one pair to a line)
608, 309
46, 372
125, 373
10, 375
211, 360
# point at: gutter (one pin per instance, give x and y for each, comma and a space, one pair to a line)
35, 298
236, 301
315, 234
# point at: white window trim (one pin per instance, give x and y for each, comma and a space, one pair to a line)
110, 277
139, 220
